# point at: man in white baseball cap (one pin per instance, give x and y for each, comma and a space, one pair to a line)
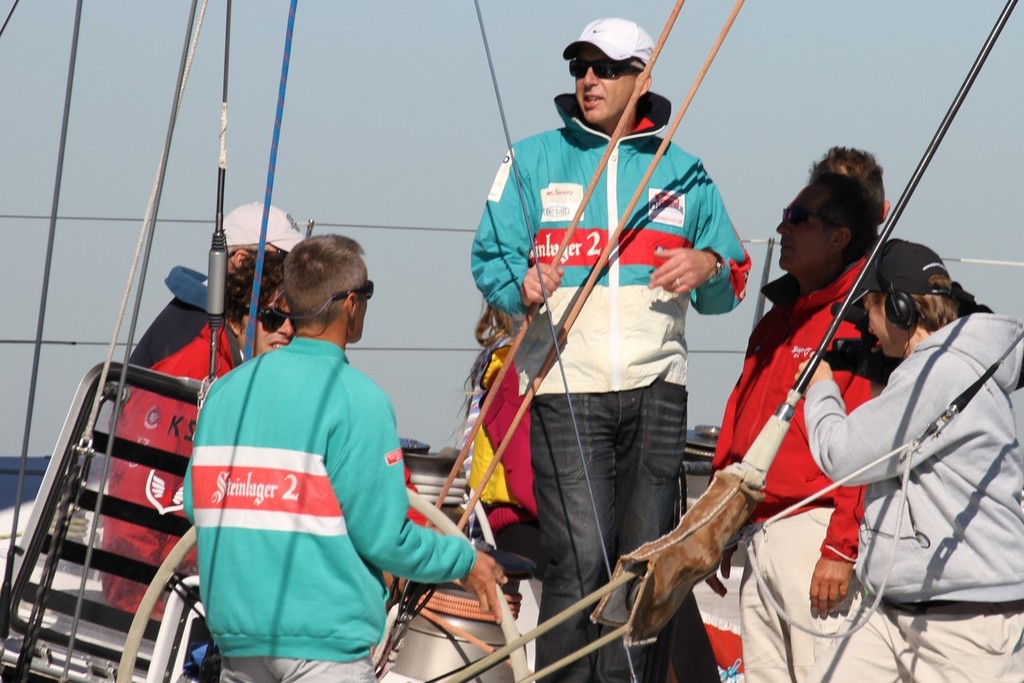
624, 373
242, 228
619, 39
184, 317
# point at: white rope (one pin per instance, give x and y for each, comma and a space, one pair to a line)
835, 484
147, 226
747, 538
85, 443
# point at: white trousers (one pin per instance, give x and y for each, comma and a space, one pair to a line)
282, 670
786, 553
896, 645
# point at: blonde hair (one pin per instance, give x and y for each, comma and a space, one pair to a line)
493, 326
935, 311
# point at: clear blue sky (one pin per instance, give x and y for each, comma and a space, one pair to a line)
391, 121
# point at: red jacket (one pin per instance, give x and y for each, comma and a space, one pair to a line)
787, 336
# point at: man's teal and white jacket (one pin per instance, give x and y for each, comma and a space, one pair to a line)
627, 335
297, 490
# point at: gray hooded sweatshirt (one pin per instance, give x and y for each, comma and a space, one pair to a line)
962, 536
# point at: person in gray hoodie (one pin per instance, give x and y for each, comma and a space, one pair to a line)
946, 554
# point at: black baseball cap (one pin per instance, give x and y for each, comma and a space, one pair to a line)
903, 266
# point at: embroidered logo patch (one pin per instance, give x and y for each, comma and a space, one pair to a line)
560, 201
668, 208
393, 457
152, 418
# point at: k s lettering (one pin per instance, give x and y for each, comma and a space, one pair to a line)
180, 428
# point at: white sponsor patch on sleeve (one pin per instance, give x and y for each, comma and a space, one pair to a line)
560, 201
664, 206
498, 186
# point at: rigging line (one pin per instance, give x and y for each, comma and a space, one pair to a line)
617, 135
143, 249
603, 259
8, 19
56, 342
904, 199
906, 452
558, 336
588, 286
5, 589
145, 241
471, 670
218, 259
613, 142
754, 466
378, 349
859, 619
517, 341
409, 228
521, 332
955, 407
254, 301
983, 262
517, 657
765, 274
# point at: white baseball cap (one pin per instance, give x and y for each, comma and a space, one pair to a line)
242, 227
620, 39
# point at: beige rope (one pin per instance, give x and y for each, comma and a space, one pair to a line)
619, 132
595, 272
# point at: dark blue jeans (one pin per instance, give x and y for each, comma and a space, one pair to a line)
633, 453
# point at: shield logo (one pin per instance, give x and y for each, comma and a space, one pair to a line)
164, 500
152, 418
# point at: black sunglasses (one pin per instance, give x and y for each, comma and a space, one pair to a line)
796, 215
608, 69
366, 290
271, 318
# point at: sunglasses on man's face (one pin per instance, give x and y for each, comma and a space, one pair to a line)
366, 290
797, 215
271, 318
608, 69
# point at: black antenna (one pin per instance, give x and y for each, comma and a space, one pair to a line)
218, 264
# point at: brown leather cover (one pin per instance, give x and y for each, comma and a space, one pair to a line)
674, 563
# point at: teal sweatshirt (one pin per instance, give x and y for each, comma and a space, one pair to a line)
297, 492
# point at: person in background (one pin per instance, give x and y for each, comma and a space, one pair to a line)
508, 495
296, 489
947, 551
183, 318
625, 360
807, 559
863, 167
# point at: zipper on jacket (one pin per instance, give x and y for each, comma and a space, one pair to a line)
612, 213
